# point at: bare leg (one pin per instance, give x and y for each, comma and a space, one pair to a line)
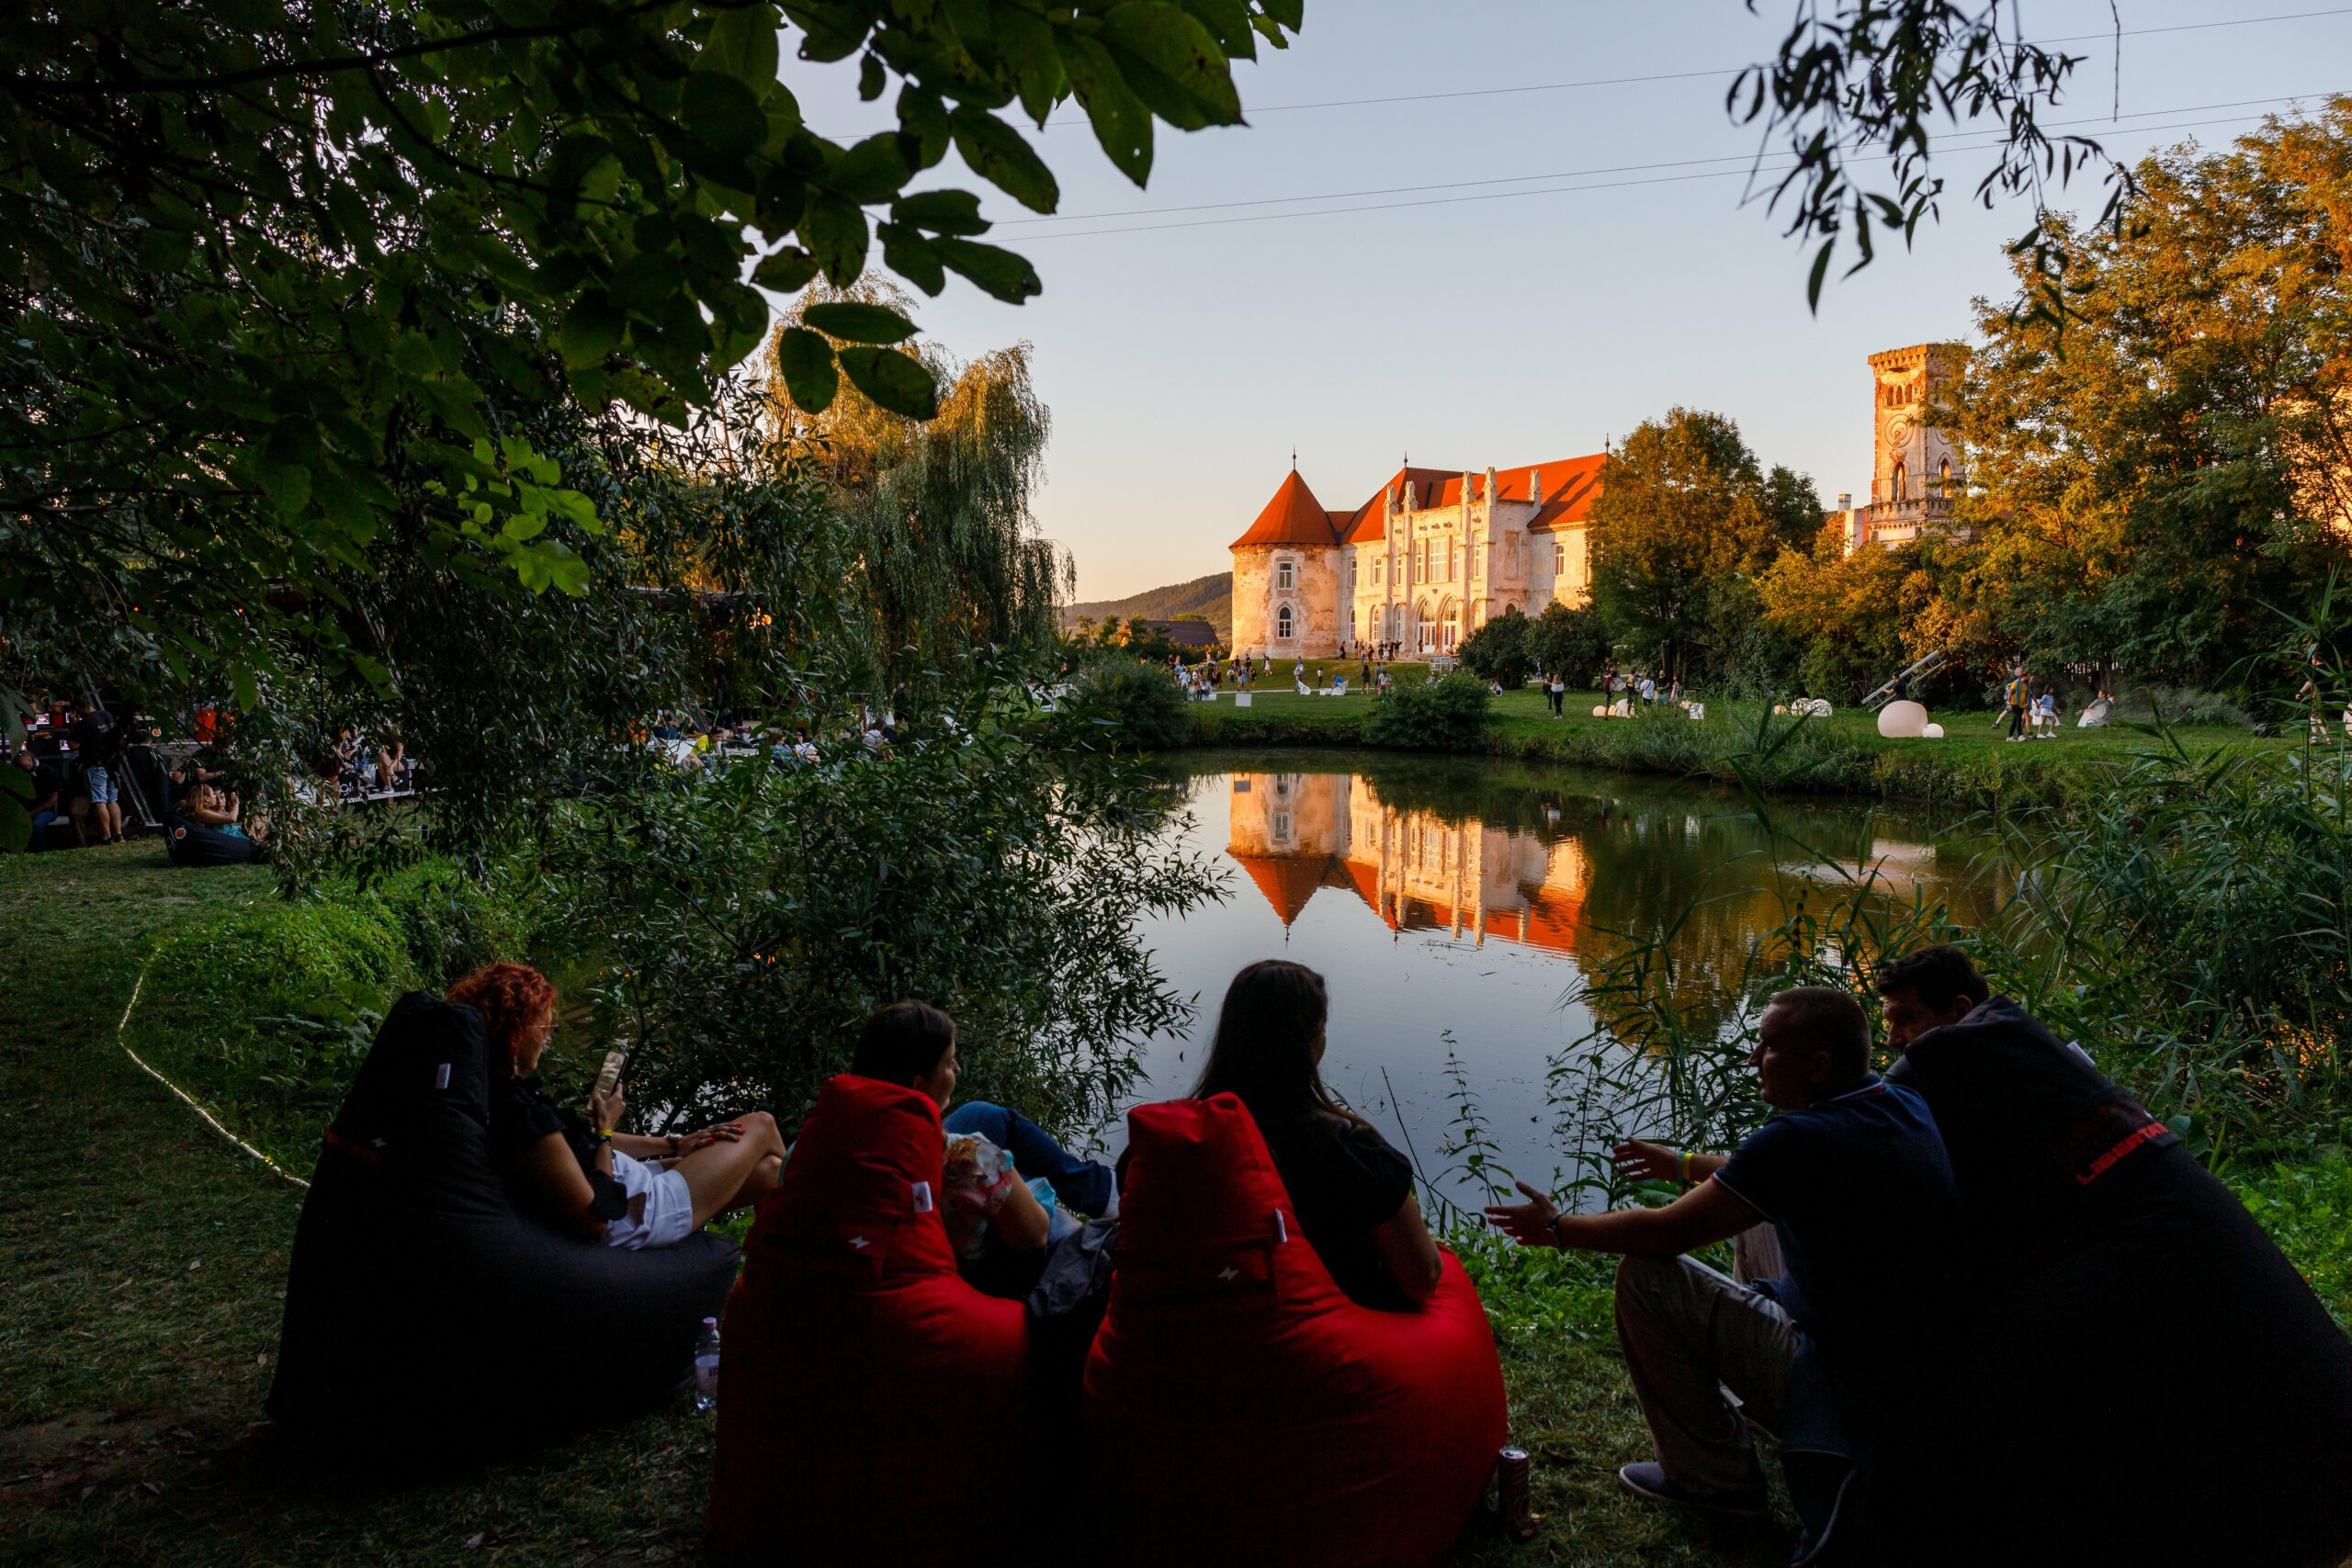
722, 1176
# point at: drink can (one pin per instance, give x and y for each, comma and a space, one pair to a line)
1511, 1500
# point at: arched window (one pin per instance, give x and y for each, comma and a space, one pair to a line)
1281, 623
1352, 622
1943, 476
1902, 481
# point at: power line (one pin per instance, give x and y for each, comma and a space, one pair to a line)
1727, 71
1742, 158
1506, 194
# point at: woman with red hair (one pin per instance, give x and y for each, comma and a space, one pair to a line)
618, 1188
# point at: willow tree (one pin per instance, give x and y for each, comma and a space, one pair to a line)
948, 562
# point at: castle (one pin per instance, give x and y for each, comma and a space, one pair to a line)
1435, 554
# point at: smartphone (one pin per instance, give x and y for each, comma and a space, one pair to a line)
609, 1078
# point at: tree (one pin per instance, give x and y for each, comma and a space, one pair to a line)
1857, 620
266, 268
1570, 641
2146, 495
1679, 525
1501, 651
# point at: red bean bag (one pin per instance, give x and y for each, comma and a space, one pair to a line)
1240, 1407
873, 1407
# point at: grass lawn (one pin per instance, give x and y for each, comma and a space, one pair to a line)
142, 1256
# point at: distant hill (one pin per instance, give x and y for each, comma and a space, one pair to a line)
1209, 596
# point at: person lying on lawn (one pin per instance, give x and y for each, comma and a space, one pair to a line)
1852, 1175
605, 1185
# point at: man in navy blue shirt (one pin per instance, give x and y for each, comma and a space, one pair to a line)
1851, 1175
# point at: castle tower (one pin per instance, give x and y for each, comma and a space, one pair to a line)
1914, 469
1286, 578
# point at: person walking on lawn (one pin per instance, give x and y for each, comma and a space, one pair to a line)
2015, 695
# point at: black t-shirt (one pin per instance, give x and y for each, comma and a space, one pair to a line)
98, 739
2041, 1142
1345, 1181
521, 1113
1861, 1192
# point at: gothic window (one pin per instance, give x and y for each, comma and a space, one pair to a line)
1282, 577
1902, 481
1943, 475
1352, 622
1281, 623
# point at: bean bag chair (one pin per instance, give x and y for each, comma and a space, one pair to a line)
1240, 1408
874, 1407
193, 843
427, 1314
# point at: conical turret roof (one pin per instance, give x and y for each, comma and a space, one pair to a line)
1293, 517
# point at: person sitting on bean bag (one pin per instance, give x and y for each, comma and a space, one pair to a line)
618, 1188
1353, 1191
1000, 1217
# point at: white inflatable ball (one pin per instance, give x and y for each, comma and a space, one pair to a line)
1779, 709
1903, 720
1932, 732
1599, 711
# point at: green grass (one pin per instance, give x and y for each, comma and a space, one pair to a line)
143, 1258
1972, 766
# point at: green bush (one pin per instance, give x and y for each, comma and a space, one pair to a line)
264, 1015
452, 923
1432, 715
1501, 650
2307, 1209
1121, 703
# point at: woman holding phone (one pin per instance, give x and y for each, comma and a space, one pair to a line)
622, 1188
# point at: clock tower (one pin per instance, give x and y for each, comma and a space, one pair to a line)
1914, 469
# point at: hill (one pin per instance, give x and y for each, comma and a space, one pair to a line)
1211, 596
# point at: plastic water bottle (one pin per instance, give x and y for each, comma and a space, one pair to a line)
707, 1366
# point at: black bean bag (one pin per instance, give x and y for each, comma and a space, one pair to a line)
193, 843
426, 1313
2145, 1373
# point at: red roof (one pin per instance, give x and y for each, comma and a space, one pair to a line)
1569, 486
1287, 881
1293, 517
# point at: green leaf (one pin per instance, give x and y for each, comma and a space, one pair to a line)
591, 329
922, 116
807, 360
1290, 15
1122, 124
857, 322
998, 155
722, 113
1007, 276
1172, 64
835, 233
913, 257
941, 211
895, 381
872, 77
743, 44
787, 272
874, 170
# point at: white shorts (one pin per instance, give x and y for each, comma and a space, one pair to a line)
661, 1205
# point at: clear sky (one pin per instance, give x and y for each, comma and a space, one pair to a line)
1526, 318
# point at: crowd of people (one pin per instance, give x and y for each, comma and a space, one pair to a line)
1941, 1268
75, 758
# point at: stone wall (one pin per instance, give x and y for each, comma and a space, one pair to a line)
1313, 598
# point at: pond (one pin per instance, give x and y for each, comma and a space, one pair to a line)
1455, 906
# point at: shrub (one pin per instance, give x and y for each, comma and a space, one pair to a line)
1432, 715
1569, 640
452, 923
1119, 702
1499, 650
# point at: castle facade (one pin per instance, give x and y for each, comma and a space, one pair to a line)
1435, 554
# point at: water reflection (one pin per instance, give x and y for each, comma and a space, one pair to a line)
1454, 904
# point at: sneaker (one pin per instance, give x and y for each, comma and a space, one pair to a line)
1648, 1481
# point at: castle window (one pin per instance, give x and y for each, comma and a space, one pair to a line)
1352, 622
1283, 623
1902, 481
1283, 575
1559, 558
1943, 476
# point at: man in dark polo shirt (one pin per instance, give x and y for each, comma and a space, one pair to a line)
1851, 1175
2144, 1375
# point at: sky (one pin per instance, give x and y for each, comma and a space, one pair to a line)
1568, 271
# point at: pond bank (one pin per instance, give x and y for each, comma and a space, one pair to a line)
144, 1256
1973, 768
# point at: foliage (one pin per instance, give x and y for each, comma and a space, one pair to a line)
2144, 495
1685, 519
1571, 642
2307, 1209
1447, 714
1858, 620
271, 269
452, 923
1119, 702
744, 924
1857, 82
1502, 650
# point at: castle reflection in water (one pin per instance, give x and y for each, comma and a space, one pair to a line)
1298, 834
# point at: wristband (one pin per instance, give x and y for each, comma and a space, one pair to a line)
674, 1145
604, 1135
1682, 1167
1555, 1228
